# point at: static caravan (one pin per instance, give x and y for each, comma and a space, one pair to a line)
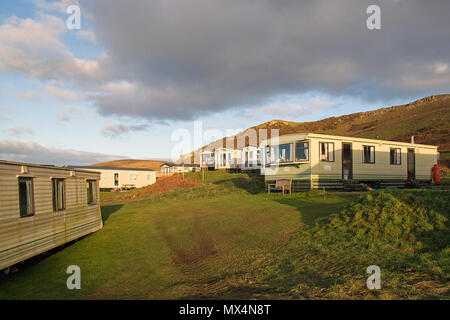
227, 158
112, 177
325, 161
250, 158
207, 160
43, 207
168, 169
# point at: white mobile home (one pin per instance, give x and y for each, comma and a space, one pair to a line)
207, 160
227, 158
250, 158
168, 169
43, 207
113, 177
326, 161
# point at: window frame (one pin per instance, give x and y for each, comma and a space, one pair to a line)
374, 154
400, 153
320, 152
55, 195
32, 196
308, 153
291, 151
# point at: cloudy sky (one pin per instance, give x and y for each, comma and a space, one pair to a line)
136, 71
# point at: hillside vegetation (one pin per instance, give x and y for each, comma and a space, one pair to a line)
427, 119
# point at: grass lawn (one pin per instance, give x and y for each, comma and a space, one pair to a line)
226, 239
444, 155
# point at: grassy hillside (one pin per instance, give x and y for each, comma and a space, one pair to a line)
131, 163
225, 238
427, 119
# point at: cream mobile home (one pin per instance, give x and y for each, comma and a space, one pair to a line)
325, 161
43, 207
115, 178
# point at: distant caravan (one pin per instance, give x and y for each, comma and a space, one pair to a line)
43, 207
116, 178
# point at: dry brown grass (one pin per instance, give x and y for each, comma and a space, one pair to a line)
163, 184
131, 163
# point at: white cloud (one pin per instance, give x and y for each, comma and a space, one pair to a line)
29, 95
63, 94
19, 131
440, 67
33, 152
415, 76
63, 117
71, 108
288, 108
117, 130
35, 47
120, 87
58, 6
319, 104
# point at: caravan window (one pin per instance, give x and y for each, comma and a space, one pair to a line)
282, 153
230, 158
58, 194
267, 154
26, 197
326, 151
132, 176
368, 154
396, 157
302, 151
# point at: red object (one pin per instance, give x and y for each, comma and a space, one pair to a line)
436, 177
